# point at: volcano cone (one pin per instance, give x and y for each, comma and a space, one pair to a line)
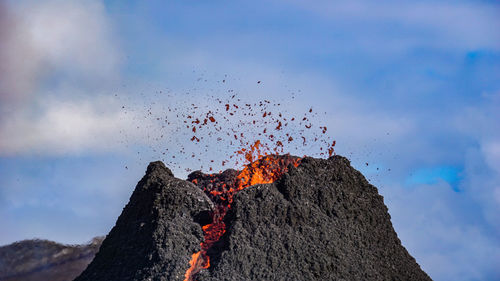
317, 220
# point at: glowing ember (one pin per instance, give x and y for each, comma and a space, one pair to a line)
262, 168
196, 262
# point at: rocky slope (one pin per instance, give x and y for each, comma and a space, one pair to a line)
320, 221
41, 260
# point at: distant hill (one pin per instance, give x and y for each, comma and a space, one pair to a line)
42, 260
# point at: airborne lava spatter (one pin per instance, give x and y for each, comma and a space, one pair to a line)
262, 168
199, 127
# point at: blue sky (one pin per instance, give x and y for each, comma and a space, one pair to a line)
410, 87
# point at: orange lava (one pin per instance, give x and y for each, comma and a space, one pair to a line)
262, 167
196, 262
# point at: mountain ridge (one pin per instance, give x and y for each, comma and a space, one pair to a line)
40, 259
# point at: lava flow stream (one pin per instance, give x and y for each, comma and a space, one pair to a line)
262, 169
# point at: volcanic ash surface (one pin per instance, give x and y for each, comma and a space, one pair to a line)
316, 220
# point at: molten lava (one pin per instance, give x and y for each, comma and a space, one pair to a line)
262, 168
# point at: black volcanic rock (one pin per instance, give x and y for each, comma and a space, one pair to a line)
157, 232
320, 221
41, 260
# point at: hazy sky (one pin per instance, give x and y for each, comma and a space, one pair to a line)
410, 87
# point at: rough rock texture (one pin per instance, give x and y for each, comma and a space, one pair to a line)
157, 232
320, 221
41, 260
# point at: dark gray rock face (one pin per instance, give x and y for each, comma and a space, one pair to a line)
156, 234
320, 221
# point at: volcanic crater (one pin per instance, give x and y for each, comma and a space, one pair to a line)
280, 218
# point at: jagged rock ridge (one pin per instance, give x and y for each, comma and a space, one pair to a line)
320, 221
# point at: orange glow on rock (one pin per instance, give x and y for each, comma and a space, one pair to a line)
197, 261
262, 167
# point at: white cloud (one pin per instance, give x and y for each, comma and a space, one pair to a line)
483, 162
491, 153
454, 235
441, 229
72, 39
444, 24
58, 127
61, 46
18, 58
